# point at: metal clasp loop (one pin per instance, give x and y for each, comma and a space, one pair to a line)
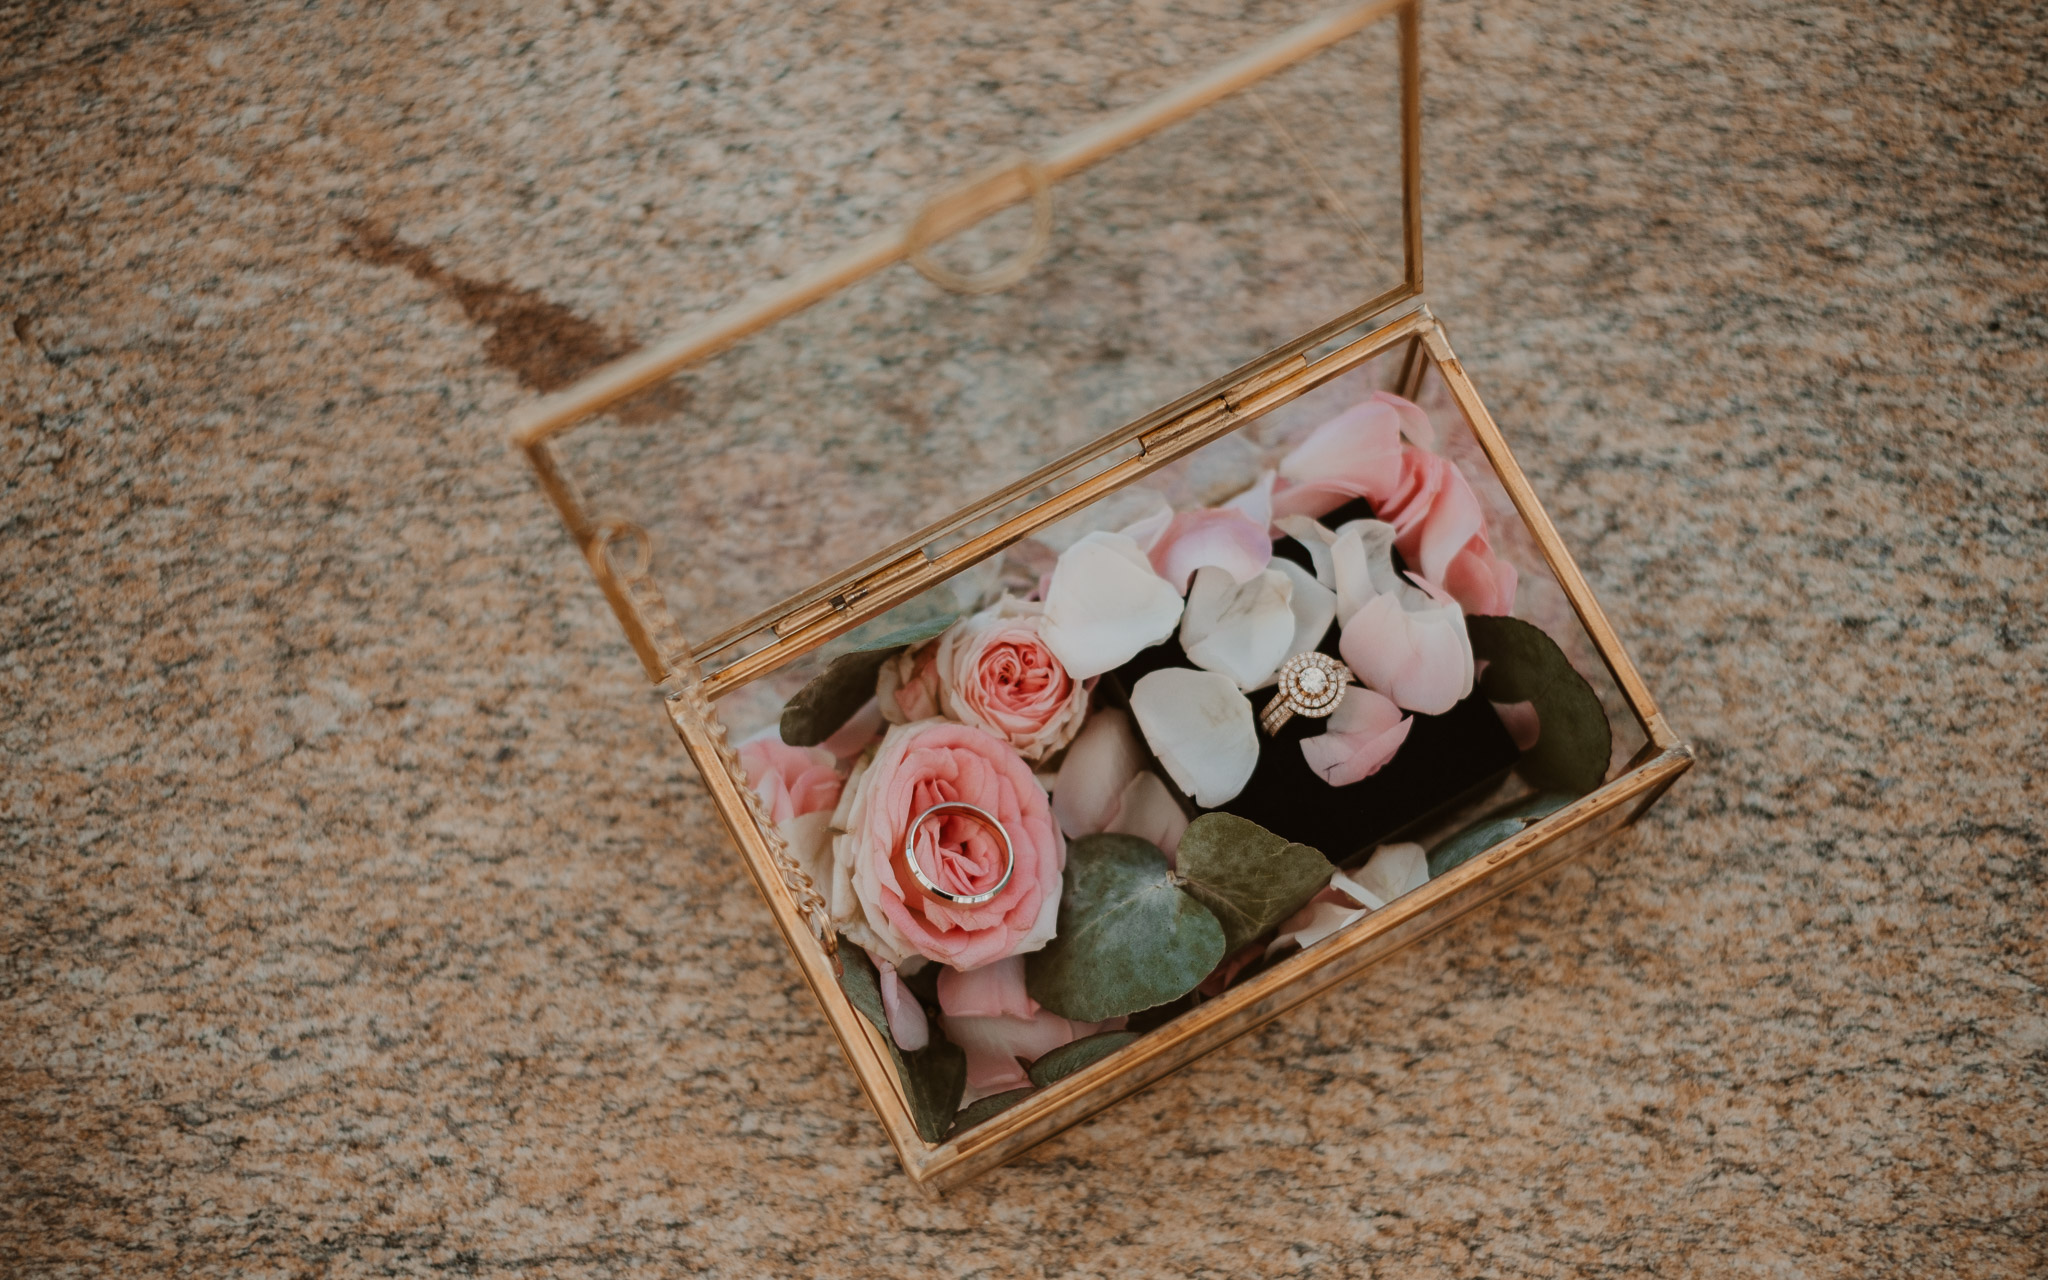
955, 211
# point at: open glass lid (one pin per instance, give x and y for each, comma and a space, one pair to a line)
1017, 336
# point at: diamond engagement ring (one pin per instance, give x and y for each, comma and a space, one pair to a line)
930, 886
1311, 684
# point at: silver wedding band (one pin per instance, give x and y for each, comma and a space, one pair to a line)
930, 886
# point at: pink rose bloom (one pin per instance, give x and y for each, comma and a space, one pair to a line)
995, 672
874, 897
908, 687
791, 781
988, 1013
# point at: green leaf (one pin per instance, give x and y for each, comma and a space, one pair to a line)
829, 701
1250, 878
1085, 1052
986, 1108
1128, 938
1525, 665
935, 1076
1456, 850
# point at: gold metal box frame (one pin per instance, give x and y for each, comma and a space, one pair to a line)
620, 558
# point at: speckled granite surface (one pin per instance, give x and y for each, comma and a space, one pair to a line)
361, 917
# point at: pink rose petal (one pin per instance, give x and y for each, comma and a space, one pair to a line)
1364, 733
994, 1045
1355, 454
1420, 658
908, 1026
791, 781
1097, 767
1223, 536
853, 737
994, 990
1480, 581
1521, 722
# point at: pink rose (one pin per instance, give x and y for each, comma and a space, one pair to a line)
874, 897
995, 672
908, 687
791, 781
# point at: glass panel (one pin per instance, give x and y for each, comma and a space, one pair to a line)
1227, 467
872, 415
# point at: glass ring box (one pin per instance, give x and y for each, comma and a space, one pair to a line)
1126, 514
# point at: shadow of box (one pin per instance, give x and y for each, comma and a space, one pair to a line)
893, 390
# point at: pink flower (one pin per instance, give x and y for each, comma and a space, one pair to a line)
1235, 536
1364, 733
988, 1013
995, 672
874, 898
908, 687
791, 781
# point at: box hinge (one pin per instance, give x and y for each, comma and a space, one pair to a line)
816, 611
1195, 419
1244, 391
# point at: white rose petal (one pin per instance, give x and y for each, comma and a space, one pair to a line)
1105, 604
1239, 629
1326, 918
1257, 501
809, 837
1314, 607
1362, 558
1310, 533
1147, 530
1393, 870
1200, 726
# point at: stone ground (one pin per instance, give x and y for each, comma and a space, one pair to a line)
361, 916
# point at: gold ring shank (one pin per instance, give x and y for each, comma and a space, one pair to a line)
931, 887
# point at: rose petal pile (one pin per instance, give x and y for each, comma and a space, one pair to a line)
970, 715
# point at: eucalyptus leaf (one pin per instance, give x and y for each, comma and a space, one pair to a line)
988, 1108
1525, 665
1128, 936
1248, 877
1085, 1052
829, 701
933, 1078
1456, 850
